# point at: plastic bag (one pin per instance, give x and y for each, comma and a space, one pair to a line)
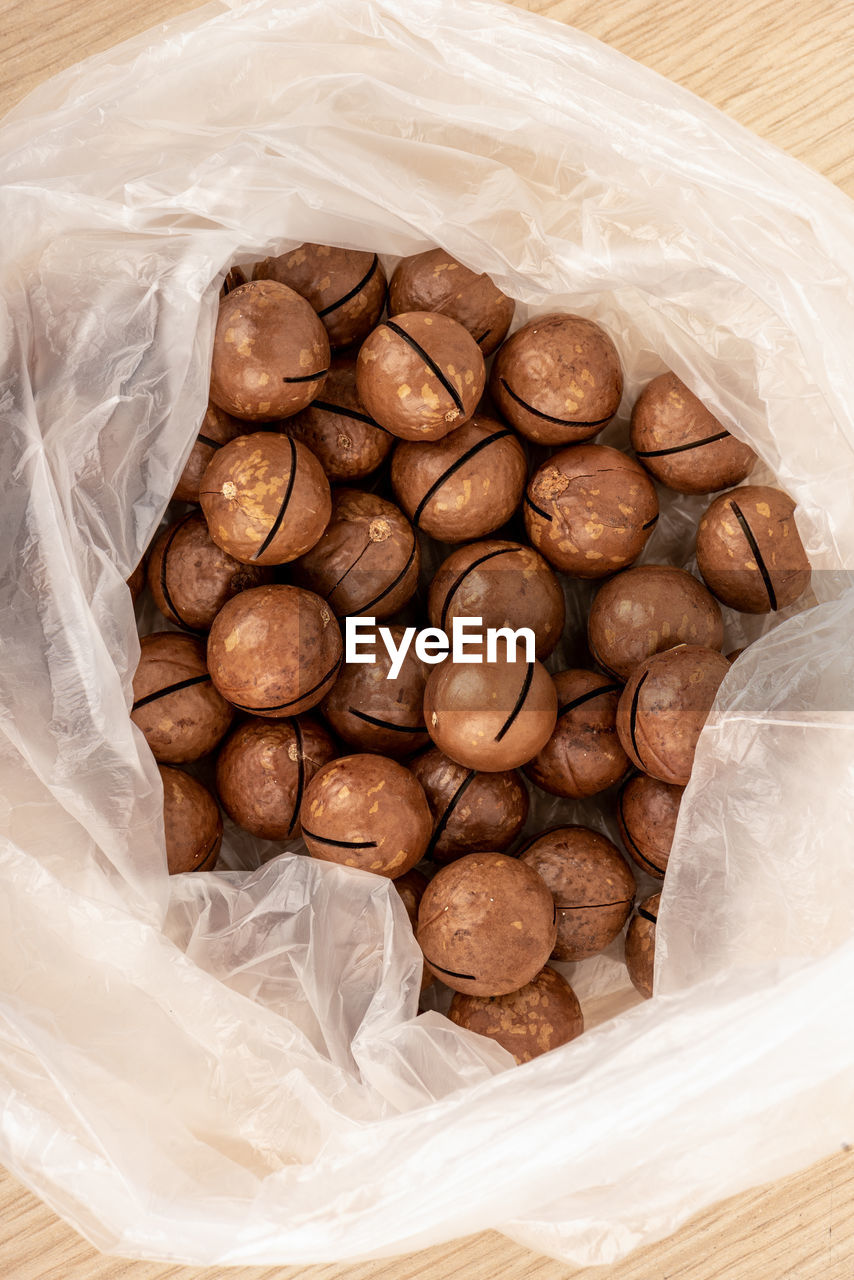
228, 1067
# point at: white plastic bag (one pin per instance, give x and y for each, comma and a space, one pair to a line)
228, 1067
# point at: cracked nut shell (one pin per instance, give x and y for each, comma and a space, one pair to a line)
192, 823
346, 287
583, 756
420, 375
263, 768
367, 560
646, 610
472, 812
640, 945
749, 551
540, 1016
464, 485
558, 379
275, 650
592, 884
366, 811
646, 812
663, 709
486, 924
176, 706
191, 578
505, 584
270, 352
265, 498
681, 443
434, 281
590, 510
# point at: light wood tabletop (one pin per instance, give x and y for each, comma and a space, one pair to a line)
784, 71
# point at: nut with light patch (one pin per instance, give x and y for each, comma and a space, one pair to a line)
647, 810
590, 510
583, 756
640, 945
368, 559
434, 281
749, 551
339, 430
175, 704
366, 811
265, 498
540, 1016
681, 443
472, 812
217, 428
663, 709
558, 379
275, 650
420, 375
486, 924
270, 353
262, 771
592, 884
505, 584
191, 578
464, 485
346, 287
192, 822
646, 610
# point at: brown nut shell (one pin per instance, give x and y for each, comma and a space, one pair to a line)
411, 886
590, 510
191, 578
663, 709
262, 771
490, 715
366, 811
346, 287
275, 651
368, 559
540, 1016
583, 756
592, 885
265, 498
371, 711
681, 443
646, 610
434, 281
472, 812
640, 945
646, 812
337, 428
558, 379
218, 427
270, 353
749, 551
486, 924
192, 822
464, 485
505, 584
420, 375
176, 706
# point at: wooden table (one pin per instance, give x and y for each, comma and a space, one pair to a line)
785, 71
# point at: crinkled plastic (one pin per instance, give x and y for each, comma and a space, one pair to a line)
229, 1067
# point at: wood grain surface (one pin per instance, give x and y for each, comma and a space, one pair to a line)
784, 71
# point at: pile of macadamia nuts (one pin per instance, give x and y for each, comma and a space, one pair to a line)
354, 466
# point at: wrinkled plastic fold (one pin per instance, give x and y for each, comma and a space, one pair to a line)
229, 1067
